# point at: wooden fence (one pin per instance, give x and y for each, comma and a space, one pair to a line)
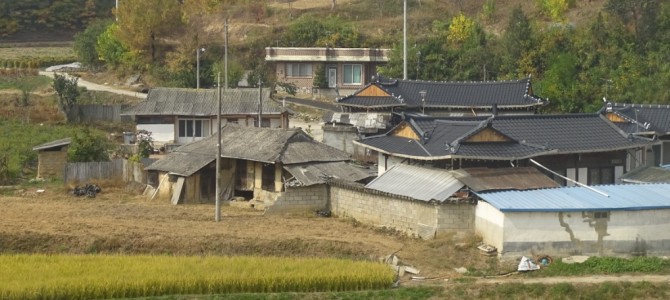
116, 169
101, 113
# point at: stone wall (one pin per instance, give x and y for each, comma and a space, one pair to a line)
414, 217
300, 200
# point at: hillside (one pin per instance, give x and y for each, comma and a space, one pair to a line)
378, 20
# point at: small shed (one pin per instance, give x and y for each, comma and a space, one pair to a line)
606, 220
52, 158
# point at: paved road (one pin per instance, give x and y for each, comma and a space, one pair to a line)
99, 87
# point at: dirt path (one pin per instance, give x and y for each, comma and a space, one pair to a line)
98, 87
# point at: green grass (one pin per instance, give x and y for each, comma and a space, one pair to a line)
606, 265
17, 140
412, 293
100, 276
29, 83
14, 53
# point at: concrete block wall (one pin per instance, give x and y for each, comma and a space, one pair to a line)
414, 217
300, 200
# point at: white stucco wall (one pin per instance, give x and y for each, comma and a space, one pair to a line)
489, 223
622, 233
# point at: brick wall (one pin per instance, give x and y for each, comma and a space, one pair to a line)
404, 214
300, 200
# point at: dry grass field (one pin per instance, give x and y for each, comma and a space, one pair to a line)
10, 53
120, 220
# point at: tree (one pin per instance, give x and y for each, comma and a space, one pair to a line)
309, 31
87, 147
109, 48
86, 42
516, 42
143, 23
67, 94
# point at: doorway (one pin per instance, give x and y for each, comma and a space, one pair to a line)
332, 77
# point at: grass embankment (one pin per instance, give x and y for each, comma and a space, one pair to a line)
96, 276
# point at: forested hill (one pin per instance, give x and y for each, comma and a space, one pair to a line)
577, 51
48, 20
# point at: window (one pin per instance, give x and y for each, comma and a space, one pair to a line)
298, 70
193, 128
601, 176
352, 74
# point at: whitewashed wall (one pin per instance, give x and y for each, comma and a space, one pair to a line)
624, 233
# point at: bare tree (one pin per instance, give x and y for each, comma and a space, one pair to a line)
332, 7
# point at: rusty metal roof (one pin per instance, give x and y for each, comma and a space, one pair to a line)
497, 179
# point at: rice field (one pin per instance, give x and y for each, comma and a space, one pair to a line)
108, 276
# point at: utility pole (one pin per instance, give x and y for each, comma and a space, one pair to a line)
260, 102
217, 216
404, 41
116, 11
225, 54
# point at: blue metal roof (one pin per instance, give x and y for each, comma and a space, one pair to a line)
621, 197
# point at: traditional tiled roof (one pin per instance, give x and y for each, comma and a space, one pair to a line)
448, 139
643, 117
525, 136
203, 102
568, 133
504, 94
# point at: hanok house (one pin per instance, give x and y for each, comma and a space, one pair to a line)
52, 158
647, 120
392, 96
344, 69
445, 98
180, 116
606, 220
583, 147
263, 164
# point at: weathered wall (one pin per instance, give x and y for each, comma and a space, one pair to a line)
401, 213
621, 233
300, 200
52, 163
340, 137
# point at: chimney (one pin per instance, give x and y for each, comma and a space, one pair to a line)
494, 109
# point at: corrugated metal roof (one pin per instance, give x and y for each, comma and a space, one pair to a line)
315, 173
648, 175
486, 179
621, 197
52, 144
203, 102
420, 183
